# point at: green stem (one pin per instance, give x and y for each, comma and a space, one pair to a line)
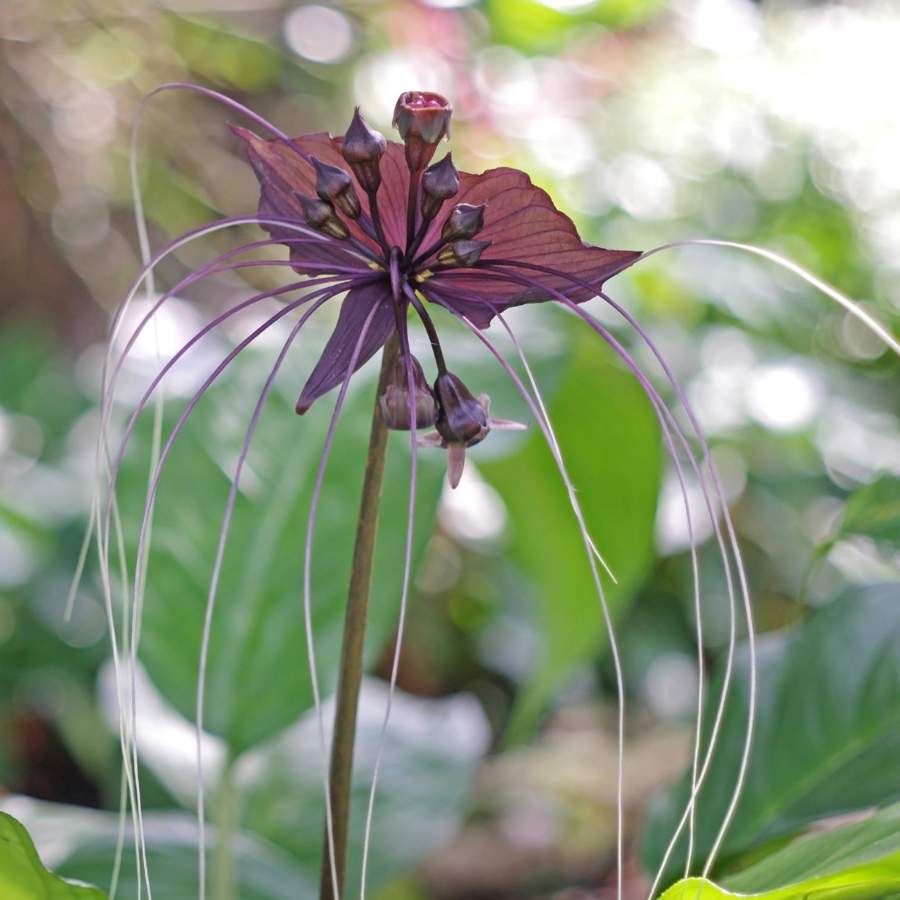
223, 882
351, 663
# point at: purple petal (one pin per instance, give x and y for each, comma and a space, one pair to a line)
478, 309
456, 462
331, 369
522, 223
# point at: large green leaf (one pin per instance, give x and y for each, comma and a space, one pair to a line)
22, 874
827, 734
258, 679
611, 445
860, 861
431, 756
85, 841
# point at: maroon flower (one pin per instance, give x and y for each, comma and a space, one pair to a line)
423, 119
400, 234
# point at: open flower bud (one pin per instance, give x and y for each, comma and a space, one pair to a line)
464, 222
423, 119
321, 215
440, 182
335, 186
363, 148
463, 253
394, 399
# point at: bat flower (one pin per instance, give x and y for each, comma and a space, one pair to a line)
392, 233
411, 232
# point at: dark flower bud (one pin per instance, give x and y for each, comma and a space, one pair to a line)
462, 418
422, 118
363, 148
463, 421
394, 400
440, 182
321, 215
464, 222
335, 186
463, 253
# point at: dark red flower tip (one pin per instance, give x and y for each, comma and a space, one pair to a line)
394, 399
423, 119
363, 148
464, 222
335, 186
440, 182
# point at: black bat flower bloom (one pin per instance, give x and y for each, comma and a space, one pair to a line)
393, 233
406, 231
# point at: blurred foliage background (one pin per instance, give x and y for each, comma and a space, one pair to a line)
647, 121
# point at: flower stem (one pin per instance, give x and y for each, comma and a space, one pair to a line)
351, 664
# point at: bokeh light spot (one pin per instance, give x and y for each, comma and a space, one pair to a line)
783, 397
318, 33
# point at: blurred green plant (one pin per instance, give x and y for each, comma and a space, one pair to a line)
859, 861
680, 136
23, 876
826, 740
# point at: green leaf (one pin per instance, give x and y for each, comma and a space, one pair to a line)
258, 679
535, 25
611, 446
431, 756
22, 874
860, 861
224, 57
874, 510
85, 839
827, 736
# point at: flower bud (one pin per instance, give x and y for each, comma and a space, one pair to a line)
335, 186
363, 148
394, 399
440, 182
463, 253
462, 419
321, 215
422, 118
464, 222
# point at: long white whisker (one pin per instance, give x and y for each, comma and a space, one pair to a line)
735, 549
143, 543
131, 786
692, 543
720, 494
607, 616
129, 775
852, 307
214, 584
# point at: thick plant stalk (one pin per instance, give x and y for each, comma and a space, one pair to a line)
351, 665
